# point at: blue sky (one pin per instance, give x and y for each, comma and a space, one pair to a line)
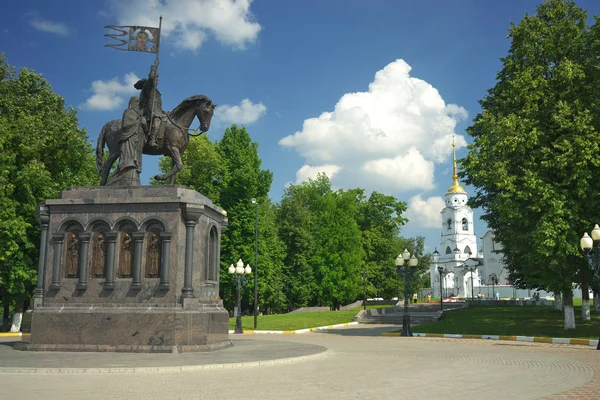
369, 92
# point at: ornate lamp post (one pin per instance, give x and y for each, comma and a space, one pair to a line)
471, 269
364, 276
591, 251
405, 265
443, 272
255, 265
494, 278
241, 281
436, 257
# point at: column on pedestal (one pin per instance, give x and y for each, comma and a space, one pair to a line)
57, 239
190, 217
44, 215
138, 244
166, 260
84, 245
111, 239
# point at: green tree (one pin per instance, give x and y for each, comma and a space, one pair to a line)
324, 244
242, 180
42, 151
534, 156
380, 219
295, 221
271, 250
339, 256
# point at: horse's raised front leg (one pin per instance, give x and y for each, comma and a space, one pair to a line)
172, 152
112, 157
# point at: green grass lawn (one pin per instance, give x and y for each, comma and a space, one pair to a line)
291, 322
477, 320
513, 321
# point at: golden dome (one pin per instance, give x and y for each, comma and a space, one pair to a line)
456, 188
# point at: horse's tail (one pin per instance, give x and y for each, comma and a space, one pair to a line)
100, 150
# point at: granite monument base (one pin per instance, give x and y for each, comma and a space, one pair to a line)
131, 269
125, 329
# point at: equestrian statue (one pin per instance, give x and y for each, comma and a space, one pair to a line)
145, 128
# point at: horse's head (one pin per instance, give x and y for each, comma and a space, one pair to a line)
198, 106
204, 112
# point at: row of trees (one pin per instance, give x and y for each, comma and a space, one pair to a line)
313, 245
534, 157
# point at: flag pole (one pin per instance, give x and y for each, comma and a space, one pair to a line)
158, 44
154, 86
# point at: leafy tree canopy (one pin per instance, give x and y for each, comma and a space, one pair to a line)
42, 151
534, 157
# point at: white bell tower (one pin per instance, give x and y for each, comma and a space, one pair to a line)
457, 221
458, 241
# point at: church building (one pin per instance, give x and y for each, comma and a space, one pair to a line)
458, 262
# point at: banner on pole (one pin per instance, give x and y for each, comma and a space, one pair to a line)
134, 38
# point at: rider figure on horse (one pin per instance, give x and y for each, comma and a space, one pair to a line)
151, 105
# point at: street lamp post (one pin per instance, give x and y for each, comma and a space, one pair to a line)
405, 265
255, 265
443, 272
364, 276
494, 278
239, 271
436, 257
471, 269
591, 251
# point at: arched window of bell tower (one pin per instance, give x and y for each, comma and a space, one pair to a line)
465, 224
448, 250
449, 223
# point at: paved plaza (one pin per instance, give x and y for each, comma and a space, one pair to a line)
345, 363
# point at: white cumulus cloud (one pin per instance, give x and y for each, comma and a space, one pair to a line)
45, 25
110, 94
311, 171
188, 22
387, 138
425, 213
244, 113
415, 171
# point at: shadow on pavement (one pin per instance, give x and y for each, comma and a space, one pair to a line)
9, 343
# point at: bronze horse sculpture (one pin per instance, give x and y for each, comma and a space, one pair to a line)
174, 143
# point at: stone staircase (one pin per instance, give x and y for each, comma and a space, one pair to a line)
419, 314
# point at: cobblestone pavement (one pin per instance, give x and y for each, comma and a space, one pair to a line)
359, 365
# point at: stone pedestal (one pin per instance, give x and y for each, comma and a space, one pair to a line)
129, 269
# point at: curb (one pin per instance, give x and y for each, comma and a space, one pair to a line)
531, 339
182, 368
297, 331
10, 334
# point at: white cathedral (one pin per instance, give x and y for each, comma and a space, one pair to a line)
459, 265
